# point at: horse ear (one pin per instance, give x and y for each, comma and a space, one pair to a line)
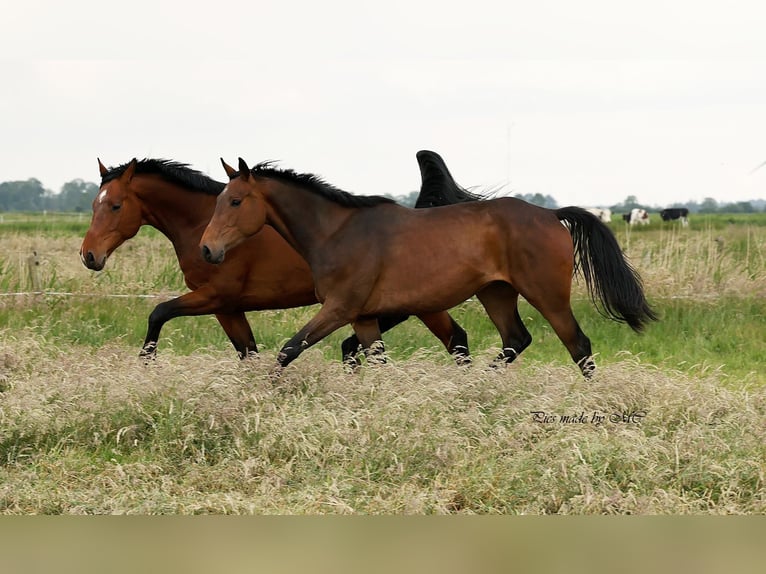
244, 171
230, 171
129, 171
102, 168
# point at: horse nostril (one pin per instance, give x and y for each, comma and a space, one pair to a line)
90, 261
206, 254
216, 258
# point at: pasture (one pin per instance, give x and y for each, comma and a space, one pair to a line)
673, 421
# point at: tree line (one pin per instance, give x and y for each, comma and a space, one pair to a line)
77, 195
30, 195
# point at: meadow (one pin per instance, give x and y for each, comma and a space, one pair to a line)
673, 422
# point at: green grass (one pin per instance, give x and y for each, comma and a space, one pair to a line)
725, 335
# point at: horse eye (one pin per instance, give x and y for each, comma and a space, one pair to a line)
236, 202
116, 207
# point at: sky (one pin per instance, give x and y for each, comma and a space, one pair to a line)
588, 101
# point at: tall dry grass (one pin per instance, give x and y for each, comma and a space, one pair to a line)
704, 264
99, 432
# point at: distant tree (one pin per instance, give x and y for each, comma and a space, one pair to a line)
26, 195
76, 195
692, 206
708, 205
739, 207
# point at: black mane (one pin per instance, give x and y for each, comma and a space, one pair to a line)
438, 187
317, 185
171, 171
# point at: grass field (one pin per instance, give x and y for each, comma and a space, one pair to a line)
85, 427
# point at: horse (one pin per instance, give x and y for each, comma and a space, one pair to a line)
427, 260
264, 273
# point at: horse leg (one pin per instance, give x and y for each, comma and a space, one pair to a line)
325, 322
368, 332
500, 300
240, 334
199, 302
350, 347
452, 335
561, 318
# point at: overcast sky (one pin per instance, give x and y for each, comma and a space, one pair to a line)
588, 101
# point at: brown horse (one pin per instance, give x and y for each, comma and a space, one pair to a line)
371, 257
263, 273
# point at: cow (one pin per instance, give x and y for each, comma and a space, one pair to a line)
674, 213
605, 215
636, 217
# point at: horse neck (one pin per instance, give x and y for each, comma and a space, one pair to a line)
304, 219
179, 214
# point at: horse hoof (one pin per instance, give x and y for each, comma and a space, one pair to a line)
587, 367
149, 352
463, 360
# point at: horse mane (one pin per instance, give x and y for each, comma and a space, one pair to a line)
438, 187
316, 184
172, 172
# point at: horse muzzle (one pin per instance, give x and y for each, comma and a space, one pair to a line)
91, 262
212, 256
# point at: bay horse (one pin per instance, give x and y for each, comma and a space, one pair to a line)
371, 257
263, 273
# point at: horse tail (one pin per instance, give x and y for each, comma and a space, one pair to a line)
438, 187
614, 286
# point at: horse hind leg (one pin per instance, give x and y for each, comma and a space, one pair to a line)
500, 300
568, 331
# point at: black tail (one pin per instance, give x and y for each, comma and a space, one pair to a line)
437, 184
614, 286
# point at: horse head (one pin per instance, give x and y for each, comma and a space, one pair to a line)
240, 212
116, 216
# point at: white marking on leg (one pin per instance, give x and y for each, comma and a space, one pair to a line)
512, 350
587, 366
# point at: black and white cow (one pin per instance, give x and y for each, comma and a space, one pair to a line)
605, 215
636, 217
674, 213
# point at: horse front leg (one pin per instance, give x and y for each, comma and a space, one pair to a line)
328, 319
199, 302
